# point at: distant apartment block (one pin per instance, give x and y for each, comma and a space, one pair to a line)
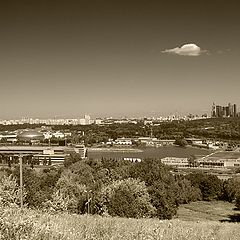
101, 121
56, 121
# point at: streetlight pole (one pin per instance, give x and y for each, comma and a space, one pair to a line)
88, 200
21, 181
88, 203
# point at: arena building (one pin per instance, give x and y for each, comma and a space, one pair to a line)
39, 154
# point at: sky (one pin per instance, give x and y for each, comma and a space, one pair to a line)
117, 58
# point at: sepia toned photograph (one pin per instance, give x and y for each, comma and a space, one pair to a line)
119, 120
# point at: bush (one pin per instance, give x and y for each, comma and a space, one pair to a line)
164, 199
59, 202
186, 192
68, 194
82, 173
39, 185
237, 201
161, 186
231, 188
71, 159
18, 224
126, 198
10, 194
181, 142
210, 185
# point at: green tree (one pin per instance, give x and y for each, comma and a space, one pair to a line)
126, 198
181, 142
68, 195
186, 192
161, 186
39, 184
83, 173
71, 159
210, 185
192, 161
237, 201
164, 199
231, 189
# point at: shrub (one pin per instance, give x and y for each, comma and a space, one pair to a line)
59, 202
161, 186
164, 199
82, 172
10, 194
231, 188
71, 159
126, 198
210, 185
68, 194
39, 184
24, 224
237, 202
181, 142
186, 192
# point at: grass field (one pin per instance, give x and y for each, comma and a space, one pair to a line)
224, 155
212, 211
31, 224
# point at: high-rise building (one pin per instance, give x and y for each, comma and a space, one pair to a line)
234, 110
224, 111
227, 111
213, 114
219, 111
230, 110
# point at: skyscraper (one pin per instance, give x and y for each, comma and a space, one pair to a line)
224, 111
230, 107
213, 114
219, 111
234, 110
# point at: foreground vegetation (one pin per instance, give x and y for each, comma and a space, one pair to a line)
113, 188
109, 187
33, 224
125, 201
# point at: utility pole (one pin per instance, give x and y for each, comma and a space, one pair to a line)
21, 181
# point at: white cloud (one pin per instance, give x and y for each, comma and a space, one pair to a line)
190, 49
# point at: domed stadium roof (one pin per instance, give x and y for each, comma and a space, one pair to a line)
30, 135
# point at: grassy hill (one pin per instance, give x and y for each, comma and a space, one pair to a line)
32, 224
209, 211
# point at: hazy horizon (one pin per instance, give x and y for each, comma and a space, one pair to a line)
117, 58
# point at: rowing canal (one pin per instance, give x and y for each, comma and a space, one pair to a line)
157, 153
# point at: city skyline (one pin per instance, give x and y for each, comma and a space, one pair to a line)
117, 58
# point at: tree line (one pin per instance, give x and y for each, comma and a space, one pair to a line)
113, 187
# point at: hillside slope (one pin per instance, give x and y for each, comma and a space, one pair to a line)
31, 224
